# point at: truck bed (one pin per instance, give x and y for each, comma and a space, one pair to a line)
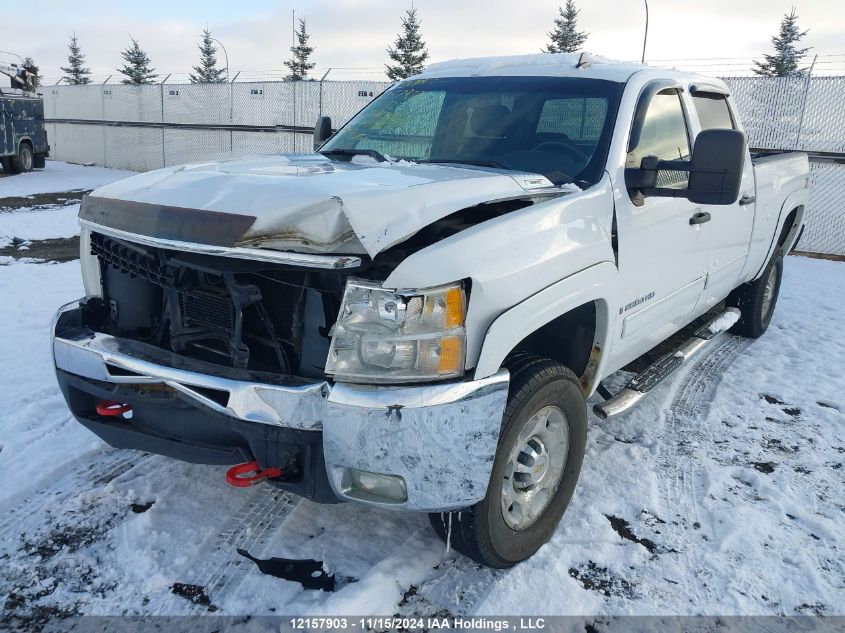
777, 175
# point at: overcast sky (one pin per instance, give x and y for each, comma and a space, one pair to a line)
354, 33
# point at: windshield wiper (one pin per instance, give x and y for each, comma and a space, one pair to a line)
464, 161
356, 152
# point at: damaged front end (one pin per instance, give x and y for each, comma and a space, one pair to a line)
249, 315
221, 358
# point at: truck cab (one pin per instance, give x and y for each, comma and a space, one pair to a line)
414, 316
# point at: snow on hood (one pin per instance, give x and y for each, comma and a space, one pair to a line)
537, 64
306, 202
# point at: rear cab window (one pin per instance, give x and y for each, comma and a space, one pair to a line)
713, 111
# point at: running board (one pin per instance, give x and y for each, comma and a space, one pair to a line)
639, 386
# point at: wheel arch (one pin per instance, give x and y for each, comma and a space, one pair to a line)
790, 222
790, 229
569, 321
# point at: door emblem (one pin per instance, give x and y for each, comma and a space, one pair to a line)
636, 302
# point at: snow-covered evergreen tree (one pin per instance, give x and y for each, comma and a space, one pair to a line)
408, 51
75, 72
30, 66
299, 63
566, 38
137, 67
207, 72
787, 57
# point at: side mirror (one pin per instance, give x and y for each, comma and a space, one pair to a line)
715, 171
322, 131
717, 161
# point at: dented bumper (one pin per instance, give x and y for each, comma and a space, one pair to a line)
439, 439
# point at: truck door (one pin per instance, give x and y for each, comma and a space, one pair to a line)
662, 243
730, 225
6, 135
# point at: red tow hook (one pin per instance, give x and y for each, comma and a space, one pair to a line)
111, 408
234, 476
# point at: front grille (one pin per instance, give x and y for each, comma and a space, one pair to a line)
207, 309
132, 261
243, 314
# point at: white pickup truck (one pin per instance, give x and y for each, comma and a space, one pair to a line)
414, 316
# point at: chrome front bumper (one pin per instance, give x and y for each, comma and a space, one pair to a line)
439, 438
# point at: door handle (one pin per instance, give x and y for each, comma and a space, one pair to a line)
746, 199
699, 218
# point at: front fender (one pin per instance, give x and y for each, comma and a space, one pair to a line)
515, 256
510, 328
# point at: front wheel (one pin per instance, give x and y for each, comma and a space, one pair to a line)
536, 467
756, 300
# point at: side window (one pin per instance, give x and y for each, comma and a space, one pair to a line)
664, 134
713, 111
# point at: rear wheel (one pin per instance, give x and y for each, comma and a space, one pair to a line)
6, 163
24, 160
535, 470
756, 300
40, 161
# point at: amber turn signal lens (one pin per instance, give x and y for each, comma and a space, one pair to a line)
450, 354
454, 308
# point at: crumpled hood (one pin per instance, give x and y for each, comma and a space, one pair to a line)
308, 203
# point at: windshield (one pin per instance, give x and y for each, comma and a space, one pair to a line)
555, 126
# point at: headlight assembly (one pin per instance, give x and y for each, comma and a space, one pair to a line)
392, 336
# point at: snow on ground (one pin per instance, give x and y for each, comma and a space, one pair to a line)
44, 204
39, 224
58, 177
722, 494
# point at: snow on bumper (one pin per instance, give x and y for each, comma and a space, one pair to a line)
440, 438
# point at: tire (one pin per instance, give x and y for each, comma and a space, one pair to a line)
483, 532
39, 162
24, 160
756, 300
6, 163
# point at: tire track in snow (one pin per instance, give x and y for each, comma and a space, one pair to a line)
92, 471
695, 395
221, 569
685, 417
457, 586
681, 480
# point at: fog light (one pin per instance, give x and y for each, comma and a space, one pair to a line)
368, 486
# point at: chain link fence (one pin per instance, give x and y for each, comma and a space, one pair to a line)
795, 113
147, 127
806, 114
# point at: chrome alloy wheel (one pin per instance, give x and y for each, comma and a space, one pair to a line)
535, 467
769, 291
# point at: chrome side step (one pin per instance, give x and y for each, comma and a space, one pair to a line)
639, 386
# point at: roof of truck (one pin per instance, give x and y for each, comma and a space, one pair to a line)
542, 64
